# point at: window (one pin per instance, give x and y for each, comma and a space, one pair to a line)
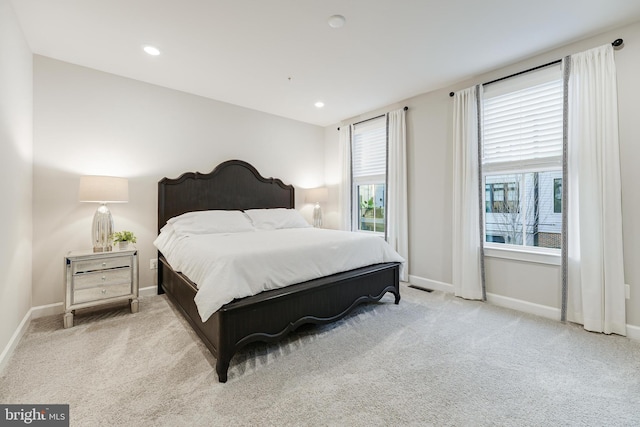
522, 159
557, 195
502, 197
371, 207
369, 172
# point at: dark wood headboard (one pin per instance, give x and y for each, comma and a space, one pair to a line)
232, 185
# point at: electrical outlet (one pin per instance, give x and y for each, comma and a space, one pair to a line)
627, 291
153, 264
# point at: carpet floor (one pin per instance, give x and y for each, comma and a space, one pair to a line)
431, 360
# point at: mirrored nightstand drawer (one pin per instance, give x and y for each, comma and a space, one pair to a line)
102, 278
100, 293
102, 264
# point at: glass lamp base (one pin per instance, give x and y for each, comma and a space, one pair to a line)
102, 229
317, 216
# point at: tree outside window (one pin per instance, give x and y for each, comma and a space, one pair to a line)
520, 209
371, 207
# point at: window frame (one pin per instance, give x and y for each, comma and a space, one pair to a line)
375, 180
377, 123
557, 201
520, 167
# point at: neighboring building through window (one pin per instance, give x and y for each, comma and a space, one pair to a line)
557, 195
522, 159
369, 173
502, 197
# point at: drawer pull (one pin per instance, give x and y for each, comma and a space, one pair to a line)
104, 278
104, 264
104, 291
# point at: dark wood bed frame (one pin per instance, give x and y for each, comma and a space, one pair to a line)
270, 315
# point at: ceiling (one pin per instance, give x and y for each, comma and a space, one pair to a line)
281, 56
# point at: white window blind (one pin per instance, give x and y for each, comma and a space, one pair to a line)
522, 129
369, 155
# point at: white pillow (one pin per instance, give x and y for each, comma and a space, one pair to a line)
211, 222
167, 233
274, 219
166, 240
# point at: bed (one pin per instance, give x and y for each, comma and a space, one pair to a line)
272, 314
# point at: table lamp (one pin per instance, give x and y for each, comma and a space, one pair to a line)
317, 195
103, 190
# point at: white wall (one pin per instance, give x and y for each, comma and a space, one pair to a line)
90, 122
16, 104
330, 209
429, 133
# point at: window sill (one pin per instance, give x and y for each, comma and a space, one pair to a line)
540, 256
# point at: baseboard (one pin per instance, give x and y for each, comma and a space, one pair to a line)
14, 341
148, 291
524, 306
499, 300
633, 332
47, 310
421, 282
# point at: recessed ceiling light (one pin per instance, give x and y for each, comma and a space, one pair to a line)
336, 21
319, 104
152, 50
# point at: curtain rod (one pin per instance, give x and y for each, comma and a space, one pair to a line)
615, 43
373, 118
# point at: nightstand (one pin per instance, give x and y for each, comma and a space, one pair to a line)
97, 278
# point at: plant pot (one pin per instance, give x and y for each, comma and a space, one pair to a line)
123, 245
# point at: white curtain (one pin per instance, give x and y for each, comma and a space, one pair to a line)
596, 296
467, 277
397, 217
344, 191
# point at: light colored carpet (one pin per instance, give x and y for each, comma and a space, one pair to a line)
432, 360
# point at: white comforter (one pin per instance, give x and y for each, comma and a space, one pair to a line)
235, 265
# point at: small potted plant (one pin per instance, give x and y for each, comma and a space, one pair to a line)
123, 238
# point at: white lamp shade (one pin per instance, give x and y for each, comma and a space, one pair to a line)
315, 195
103, 189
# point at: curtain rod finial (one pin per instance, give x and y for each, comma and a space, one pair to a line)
451, 94
617, 42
